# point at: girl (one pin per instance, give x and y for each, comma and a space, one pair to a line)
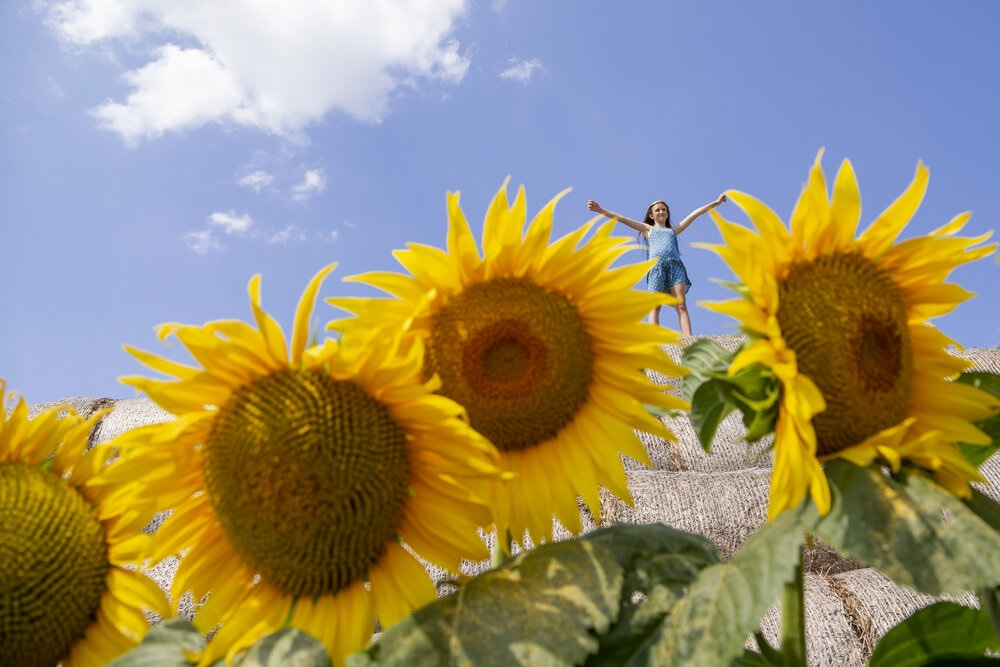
668, 274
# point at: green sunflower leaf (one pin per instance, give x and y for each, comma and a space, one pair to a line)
756, 394
989, 382
710, 404
544, 606
713, 393
289, 646
942, 630
899, 527
988, 510
767, 657
704, 358
164, 645
985, 508
989, 602
659, 562
726, 601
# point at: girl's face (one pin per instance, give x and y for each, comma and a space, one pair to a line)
659, 213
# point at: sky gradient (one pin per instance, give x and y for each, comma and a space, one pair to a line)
156, 154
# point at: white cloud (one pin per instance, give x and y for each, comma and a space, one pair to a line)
256, 180
183, 88
289, 233
522, 70
276, 65
313, 182
201, 241
207, 240
230, 223
54, 88
328, 237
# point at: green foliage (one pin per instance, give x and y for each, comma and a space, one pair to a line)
543, 606
896, 525
726, 601
601, 597
659, 562
944, 630
989, 382
989, 602
768, 656
713, 393
164, 645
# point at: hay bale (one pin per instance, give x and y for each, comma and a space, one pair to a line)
725, 507
729, 449
671, 385
130, 413
831, 638
822, 559
983, 358
84, 407
875, 603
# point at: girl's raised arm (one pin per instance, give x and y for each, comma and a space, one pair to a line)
701, 210
634, 224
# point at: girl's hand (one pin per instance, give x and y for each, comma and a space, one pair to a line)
594, 206
721, 199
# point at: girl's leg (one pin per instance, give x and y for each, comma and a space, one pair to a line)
654, 316
682, 309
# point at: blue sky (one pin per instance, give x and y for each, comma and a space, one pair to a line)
155, 154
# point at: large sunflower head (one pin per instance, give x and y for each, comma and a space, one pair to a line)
841, 322
69, 588
543, 344
317, 473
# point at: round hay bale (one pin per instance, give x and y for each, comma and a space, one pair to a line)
84, 407
875, 603
991, 472
831, 638
725, 507
129, 413
729, 449
983, 358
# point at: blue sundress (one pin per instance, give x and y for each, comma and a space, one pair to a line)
669, 270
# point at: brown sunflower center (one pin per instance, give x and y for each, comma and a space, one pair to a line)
308, 476
517, 357
846, 321
53, 565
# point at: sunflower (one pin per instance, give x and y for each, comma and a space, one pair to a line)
69, 588
301, 485
841, 322
545, 347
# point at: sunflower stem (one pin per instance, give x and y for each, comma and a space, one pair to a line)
502, 548
793, 618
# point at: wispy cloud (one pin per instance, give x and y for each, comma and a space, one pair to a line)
277, 67
54, 88
204, 241
328, 237
522, 70
288, 233
201, 241
313, 182
256, 180
230, 223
